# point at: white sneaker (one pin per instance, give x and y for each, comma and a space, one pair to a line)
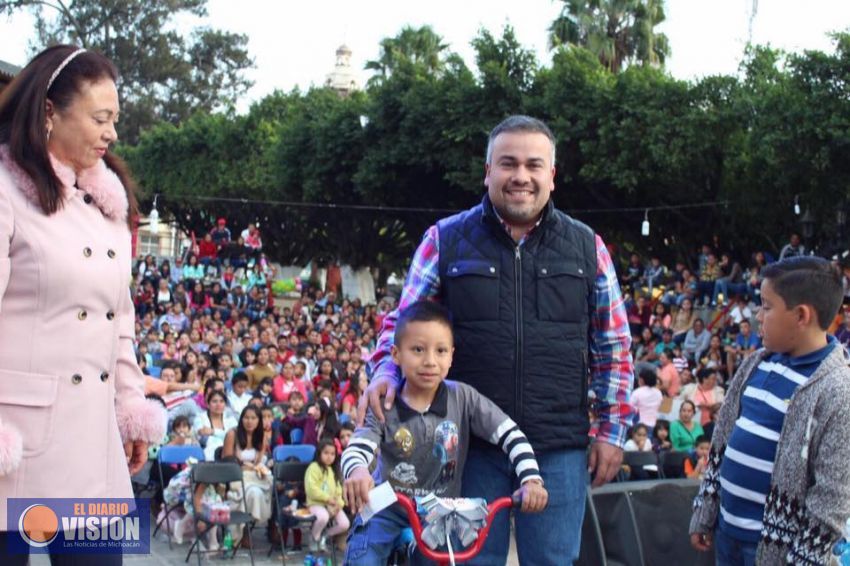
314, 546
323, 546
178, 528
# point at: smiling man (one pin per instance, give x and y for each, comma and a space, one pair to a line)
538, 318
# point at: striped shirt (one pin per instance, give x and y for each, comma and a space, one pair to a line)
747, 466
424, 453
611, 366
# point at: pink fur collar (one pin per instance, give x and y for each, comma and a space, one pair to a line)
100, 182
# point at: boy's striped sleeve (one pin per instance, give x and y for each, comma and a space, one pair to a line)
362, 447
513, 442
489, 422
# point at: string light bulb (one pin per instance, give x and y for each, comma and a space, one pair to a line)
644, 227
797, 205
153, 217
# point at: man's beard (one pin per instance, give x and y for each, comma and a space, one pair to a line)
520, 213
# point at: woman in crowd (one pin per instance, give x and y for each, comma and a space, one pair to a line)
685, 430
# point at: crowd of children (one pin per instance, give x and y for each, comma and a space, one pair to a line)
241, 376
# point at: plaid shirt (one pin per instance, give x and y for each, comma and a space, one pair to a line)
609, 341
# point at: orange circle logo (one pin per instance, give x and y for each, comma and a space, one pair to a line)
38, 525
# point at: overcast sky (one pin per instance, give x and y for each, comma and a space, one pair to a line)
293, 43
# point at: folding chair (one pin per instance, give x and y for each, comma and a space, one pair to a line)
637, 460
173, 455
291, 472
303, 452
296, 435
672, 464
220, 473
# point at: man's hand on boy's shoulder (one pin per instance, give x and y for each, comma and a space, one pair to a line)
382, 388
357, 488
534, 496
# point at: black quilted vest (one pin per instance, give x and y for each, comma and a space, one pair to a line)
521, 316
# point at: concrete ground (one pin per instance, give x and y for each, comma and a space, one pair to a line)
161, 555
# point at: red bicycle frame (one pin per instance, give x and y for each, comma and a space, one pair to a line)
442, 558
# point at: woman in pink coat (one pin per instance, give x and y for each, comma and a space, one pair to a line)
73, 418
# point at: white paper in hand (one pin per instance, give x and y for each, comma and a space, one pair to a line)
380, 498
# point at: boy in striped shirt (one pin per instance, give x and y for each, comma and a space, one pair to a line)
777, 487
424, 439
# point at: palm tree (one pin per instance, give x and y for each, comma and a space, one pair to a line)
418, 47
616, 31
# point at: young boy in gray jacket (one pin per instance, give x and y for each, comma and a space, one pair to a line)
777, 486
425, 436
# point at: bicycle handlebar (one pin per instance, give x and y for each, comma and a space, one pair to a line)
471, 551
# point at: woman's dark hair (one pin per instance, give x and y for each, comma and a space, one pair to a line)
327, 415
705, 373
256, 436
688, 402
324, 442
659, 425
210, 385
23, 118
209, 397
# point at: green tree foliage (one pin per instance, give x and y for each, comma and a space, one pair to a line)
164, 74
616, 31
634, 139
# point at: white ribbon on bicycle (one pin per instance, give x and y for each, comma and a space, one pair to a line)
462, 517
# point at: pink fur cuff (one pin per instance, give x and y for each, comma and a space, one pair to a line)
141, 420
11, 449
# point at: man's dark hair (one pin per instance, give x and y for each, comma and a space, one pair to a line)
808, 280
421, 311
239, 376
520, 123
649, 377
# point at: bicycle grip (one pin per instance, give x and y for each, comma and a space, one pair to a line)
516, 501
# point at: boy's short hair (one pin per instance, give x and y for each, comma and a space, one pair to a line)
649, 377
239, 376
296, 394
701, 439
811, 281
266, 381
421, 311
348, 425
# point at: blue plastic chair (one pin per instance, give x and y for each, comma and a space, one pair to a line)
304, 452
296, 435
154, 371
174, 455
344, 418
